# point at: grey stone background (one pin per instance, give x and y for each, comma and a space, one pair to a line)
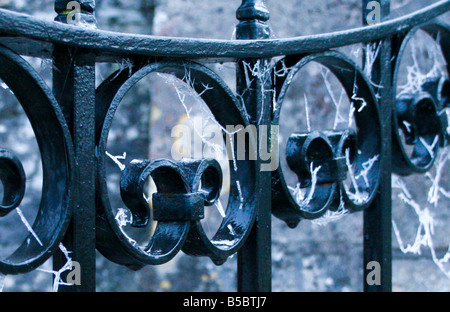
308, 258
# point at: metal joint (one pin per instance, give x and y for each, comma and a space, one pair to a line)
178, 207
307, 151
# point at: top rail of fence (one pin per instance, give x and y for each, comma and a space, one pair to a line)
107, 42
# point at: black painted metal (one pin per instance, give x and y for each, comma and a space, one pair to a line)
74, 80
57, 158
13, 180
255, 257
377, 217
73, 123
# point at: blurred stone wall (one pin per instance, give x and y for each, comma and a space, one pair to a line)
308, 258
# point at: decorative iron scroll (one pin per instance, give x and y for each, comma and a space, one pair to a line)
186, 188
328, 149
183, 233
421, 117
55, 145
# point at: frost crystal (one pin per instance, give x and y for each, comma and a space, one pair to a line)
367, 166
298, 193
116, 160
125, 64
435, 190
337, 103
425, 231
308, 122
357, 195
241, 198
430, 147
314, 172
371, 53
28, 226
123, 220
58, 281
332, 216
230, 227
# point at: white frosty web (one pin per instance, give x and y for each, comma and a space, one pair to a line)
58, 281
416, 74
426, 229
124, 218
333, 216
437, 196
28, 226
117, 159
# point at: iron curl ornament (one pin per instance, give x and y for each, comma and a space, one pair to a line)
13, 179
330, 152
56, 149
179, 200
420, 117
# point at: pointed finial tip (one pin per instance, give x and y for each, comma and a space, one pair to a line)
253, 10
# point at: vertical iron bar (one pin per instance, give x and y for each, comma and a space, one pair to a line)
254, 259
377, 218
74, 88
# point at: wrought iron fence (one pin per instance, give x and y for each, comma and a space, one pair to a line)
72, 122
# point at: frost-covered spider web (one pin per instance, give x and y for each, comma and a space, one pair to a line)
423, 198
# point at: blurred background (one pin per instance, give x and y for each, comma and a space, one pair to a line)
316, 256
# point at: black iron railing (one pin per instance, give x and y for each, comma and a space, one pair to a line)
72, 122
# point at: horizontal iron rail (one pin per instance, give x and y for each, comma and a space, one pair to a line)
22, 25
77, 98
